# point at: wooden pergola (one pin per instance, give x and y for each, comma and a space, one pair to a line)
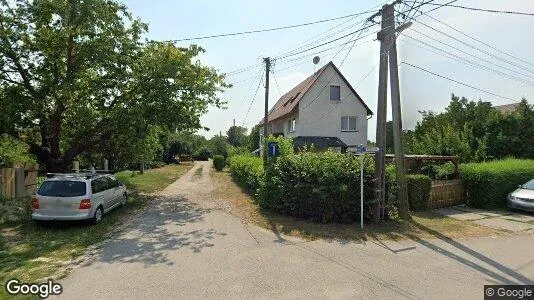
416, 158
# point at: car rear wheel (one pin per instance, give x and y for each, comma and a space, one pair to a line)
99, 213
124, 199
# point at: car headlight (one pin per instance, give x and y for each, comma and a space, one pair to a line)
511, 197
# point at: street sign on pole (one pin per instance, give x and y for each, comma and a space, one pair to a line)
362, 150
272, 149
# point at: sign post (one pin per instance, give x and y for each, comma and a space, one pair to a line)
362, 150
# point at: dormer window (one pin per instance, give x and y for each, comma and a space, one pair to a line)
335, 92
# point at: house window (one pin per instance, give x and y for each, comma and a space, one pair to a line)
291, 125
335, 92
348, 123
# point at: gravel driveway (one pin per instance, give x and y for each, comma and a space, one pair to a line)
188, 245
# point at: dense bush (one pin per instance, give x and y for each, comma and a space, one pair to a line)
445, 171
322, 186
418, 191
203, 154
218, 162
488, 183
247, 170
233, 151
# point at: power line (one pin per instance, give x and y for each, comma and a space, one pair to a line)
468, 62
249, 89
478, 40
326, 43
315, 38
253, 99
267, 29
476, 48
456, 81
332, 77
486, 10
472, 55
277, 86
293, 52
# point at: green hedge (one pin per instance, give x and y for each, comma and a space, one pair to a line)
488, 183
418, 191
218, 162
247, 170
322, 186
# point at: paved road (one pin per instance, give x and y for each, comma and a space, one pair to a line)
190, 246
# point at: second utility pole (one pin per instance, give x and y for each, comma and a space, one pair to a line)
266, 118
388, 49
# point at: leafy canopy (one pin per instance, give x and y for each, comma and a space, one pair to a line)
75, 75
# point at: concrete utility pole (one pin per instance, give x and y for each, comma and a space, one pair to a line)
388, 49
266, 118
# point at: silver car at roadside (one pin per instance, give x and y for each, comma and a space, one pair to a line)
523, 197
77, 196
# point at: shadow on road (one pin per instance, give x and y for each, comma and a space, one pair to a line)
517, 278
159, 230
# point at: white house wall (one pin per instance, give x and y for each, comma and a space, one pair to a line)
320, 116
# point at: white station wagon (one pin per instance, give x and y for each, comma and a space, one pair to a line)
78, 196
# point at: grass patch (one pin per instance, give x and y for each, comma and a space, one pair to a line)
32, 252
155, 179
423, 224
198, 173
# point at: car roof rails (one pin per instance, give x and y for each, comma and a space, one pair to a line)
96, 171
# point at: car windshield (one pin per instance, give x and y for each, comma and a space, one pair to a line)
529, 185
62, 188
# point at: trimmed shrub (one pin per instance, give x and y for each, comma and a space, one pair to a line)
322, 186
418, 191
218, 162
248, 171
488, 183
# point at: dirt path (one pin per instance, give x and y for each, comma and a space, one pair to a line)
188, 245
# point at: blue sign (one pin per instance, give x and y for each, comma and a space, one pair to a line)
272, 149
362, 149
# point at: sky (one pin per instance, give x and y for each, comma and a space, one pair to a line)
420, 91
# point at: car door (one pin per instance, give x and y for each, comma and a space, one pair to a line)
115, 190
98, 192
107, 191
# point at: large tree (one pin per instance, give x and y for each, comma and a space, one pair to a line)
75, 74
237, 136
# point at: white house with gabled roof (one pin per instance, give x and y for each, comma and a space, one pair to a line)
323, 110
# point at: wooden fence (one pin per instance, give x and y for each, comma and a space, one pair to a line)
445, 193
19, 182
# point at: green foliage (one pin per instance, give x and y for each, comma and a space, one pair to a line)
184, 143
418, 191
254, 138
444, 171
285, 145
321, 186
13, 153
487, 184
233, 151
218, 162
237, 136
218, 145
445, 140
203, 154
248, 171
474, 131
82, 77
